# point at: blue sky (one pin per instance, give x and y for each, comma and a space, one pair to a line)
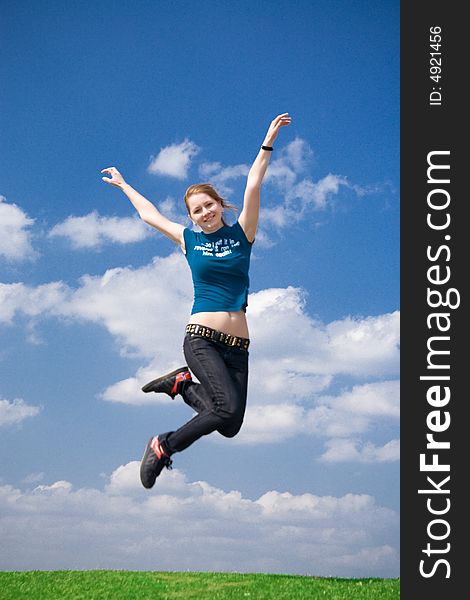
94, 302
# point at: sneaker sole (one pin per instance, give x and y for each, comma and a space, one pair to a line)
142, 463
148, 386
146, 481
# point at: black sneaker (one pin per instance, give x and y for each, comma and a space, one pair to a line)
170, 383
153, 461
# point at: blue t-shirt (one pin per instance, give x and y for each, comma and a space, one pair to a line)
219, 264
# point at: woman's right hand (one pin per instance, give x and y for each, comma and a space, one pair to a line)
116, 178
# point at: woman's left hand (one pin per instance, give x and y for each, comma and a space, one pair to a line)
276, 124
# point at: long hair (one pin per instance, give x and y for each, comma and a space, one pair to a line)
207, 188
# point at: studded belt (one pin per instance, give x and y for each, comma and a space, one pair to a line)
218, 336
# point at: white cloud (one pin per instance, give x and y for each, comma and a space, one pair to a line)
366, 346
12, 413
346, 450
299, 368
15, 238
291, 193
55, 489
31, 301
124, 526
93, 230
277, 216
33, 478
351, 413
145, 309
299, 198
282, 171
298, 154
288, 381
291, 161
209, 169
371, 399
324, 187
218, 175
271, 423
361, 346
174, 160
174, 210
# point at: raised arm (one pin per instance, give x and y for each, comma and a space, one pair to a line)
147, 211
248, 218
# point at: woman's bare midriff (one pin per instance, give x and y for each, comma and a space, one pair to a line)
233, 323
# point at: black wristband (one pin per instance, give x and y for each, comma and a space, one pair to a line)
268, 148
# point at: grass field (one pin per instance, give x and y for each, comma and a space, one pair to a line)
143, 585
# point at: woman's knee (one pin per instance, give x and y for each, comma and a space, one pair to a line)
230, 433
232, 425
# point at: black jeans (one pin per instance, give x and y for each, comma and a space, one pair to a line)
219, 398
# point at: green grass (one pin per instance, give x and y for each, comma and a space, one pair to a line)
143, 585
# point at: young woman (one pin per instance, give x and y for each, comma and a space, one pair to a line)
217, 338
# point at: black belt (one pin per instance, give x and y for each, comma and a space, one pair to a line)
218, 336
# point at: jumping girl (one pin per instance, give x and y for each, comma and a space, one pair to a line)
217, 339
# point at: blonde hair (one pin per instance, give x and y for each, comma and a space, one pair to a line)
207, 188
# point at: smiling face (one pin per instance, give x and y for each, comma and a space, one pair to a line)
205, 211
